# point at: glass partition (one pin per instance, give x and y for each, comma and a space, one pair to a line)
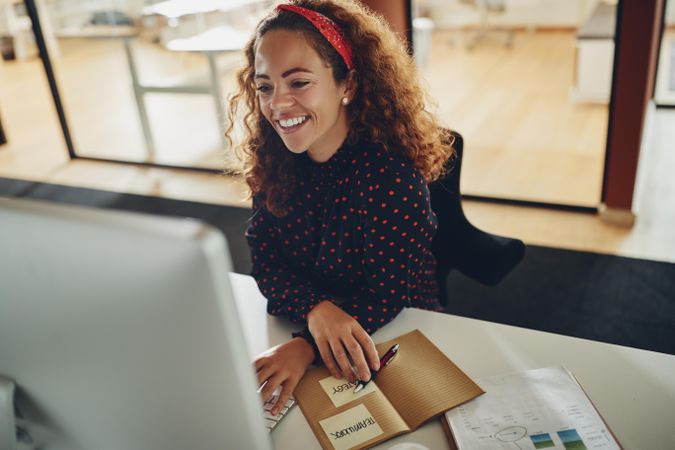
527, 83
664, 92
147, 81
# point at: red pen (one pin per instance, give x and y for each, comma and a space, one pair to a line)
384, 361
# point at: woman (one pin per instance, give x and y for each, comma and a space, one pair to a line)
338, 151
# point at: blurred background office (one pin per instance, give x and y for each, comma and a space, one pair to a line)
527, 82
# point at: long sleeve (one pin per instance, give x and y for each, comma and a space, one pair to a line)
287, 292
397, 228
358, 233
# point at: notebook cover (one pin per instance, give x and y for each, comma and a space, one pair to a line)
419, 384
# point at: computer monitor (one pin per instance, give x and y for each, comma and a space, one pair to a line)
120, 331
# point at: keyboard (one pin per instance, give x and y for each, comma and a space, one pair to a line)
271, 420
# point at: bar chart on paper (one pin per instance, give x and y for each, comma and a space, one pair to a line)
537, 409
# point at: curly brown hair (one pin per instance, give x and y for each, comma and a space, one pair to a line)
388, 109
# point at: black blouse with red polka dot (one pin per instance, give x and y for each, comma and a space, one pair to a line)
358, 233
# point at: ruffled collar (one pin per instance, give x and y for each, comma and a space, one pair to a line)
336, 164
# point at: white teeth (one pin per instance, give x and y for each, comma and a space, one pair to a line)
292, 122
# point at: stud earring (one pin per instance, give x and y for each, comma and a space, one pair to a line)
345, 100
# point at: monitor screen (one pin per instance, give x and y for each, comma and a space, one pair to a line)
120, 331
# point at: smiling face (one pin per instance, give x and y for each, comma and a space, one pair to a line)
299, 96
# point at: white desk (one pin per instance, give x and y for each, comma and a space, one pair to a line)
210, 41
173, 9
231, 41
633, 389
595, 56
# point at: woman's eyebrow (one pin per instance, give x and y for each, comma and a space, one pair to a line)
285, 74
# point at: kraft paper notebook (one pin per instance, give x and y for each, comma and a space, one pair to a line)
419, 384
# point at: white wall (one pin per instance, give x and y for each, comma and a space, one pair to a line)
670, 12
532, 13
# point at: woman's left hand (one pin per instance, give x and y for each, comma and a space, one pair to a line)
283, 365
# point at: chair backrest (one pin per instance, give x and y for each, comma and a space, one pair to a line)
446, 202
482, 256
450, 180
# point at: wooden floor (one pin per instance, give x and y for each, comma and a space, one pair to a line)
524, 136
36, 152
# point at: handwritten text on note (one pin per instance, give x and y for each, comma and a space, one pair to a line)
341, 392
351, 428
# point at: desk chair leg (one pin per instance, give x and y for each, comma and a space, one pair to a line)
140, 102
3, 136
484, 28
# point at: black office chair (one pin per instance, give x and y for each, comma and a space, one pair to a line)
483, 257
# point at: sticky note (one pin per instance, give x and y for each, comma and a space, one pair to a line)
350, 428
341, 392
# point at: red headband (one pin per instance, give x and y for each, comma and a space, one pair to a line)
327, 28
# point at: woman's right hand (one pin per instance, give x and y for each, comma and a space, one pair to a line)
283, 365
340, 337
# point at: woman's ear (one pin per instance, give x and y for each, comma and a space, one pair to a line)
350, 85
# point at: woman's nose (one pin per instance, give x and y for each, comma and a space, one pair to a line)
281, 100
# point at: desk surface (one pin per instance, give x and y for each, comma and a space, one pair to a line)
601, 23
218, 39
633, 389
99, 32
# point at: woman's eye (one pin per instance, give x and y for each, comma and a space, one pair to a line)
299, 84
263, 89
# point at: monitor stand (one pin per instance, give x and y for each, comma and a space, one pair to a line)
17, 433
7, 421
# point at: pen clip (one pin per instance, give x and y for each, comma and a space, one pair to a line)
391, 354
